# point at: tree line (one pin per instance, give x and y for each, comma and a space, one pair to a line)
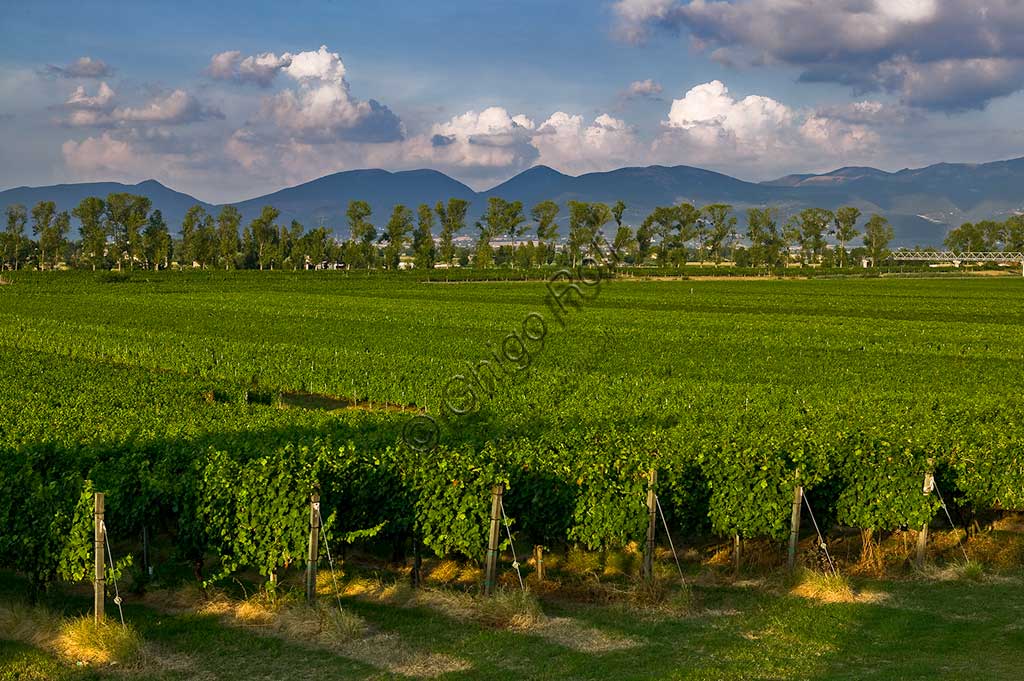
123, 231
988, 235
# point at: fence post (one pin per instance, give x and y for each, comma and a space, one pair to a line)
736, 545
314, 548
538, 557
490, 576
794, 528
652, 516
922, 536
100, 577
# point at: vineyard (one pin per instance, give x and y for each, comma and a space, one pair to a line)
183, 397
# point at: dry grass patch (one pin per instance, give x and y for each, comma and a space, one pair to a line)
827, 587
969, 571
82, 640
376, 589
386, 651
505, 609
77, 639
323, 624
451, 572
569, 633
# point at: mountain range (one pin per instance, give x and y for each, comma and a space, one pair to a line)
922, 204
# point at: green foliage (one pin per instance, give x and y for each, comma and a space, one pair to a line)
733, 392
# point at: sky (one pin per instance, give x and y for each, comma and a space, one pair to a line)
231, 100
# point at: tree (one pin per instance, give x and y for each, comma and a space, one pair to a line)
228, 221
617, 211
316, 246
43, 214
846, 229
197, 237
808, 229
263, 232
156, 241
624, 244
513, 224
501, 218
644, 237
545, 214
288, 250
423, 238
766, 243
721, 223
14, 237
994, 234
1015, 233
585, 223
126, 214
453, 220
362, 234
877, 235
674, 225
57, 236
966, 237
90, 214
396, 234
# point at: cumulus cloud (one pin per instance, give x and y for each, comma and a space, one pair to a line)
99, 110
105, 154
643, 88
478, 141
950, 55
709, 126
708, 111
320, 109
566, 142
176, 108
101, 101
258, 69
83, 67
83, 109
190, 162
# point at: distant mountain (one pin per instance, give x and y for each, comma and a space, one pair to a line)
922, 204
172, 204
326, 199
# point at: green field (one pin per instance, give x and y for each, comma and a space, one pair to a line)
208, 406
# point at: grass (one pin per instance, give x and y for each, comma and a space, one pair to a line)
930, 628
75, 640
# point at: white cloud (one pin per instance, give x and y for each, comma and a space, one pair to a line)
113, 157
320, 109
760, 136
83, 67
260, 69
753, 120
950, 55
101, 101
99, 110
565, 142
175, 108
643, 88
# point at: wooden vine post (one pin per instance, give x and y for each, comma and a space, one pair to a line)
652, 517
491, 568
794, 528
538, 559
314, 547
100, 578
922, 536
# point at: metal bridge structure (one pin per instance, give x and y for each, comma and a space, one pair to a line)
957, 258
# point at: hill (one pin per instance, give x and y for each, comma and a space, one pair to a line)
923, 204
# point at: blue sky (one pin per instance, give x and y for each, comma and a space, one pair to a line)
228, 100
